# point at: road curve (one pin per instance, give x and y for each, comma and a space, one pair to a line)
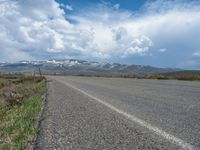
114, 113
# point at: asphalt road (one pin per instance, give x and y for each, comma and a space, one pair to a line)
113, 113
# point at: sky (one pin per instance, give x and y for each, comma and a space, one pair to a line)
162, 33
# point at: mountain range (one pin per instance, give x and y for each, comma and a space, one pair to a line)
73, 66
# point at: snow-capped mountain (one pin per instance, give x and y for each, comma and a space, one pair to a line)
80, 66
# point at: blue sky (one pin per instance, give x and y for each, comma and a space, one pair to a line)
163, 33
125, 4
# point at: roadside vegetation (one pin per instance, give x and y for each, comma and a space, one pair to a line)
20, 105
180, 75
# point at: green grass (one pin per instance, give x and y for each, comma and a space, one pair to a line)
7, 81
3, 82
17, 122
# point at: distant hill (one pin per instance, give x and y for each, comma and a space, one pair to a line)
182, 72
73, 66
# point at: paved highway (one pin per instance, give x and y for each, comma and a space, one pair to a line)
115, 113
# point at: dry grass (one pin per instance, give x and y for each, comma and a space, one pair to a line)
156, 76
176, 76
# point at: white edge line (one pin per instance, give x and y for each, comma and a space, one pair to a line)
184, 145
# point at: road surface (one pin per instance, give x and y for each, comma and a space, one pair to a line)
115, 113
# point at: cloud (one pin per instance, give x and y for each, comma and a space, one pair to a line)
41, 29
196, 54
28, 29
163, 50
67, 7
116, 6
174, 27
131, 45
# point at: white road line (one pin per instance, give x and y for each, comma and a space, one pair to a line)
184, 145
